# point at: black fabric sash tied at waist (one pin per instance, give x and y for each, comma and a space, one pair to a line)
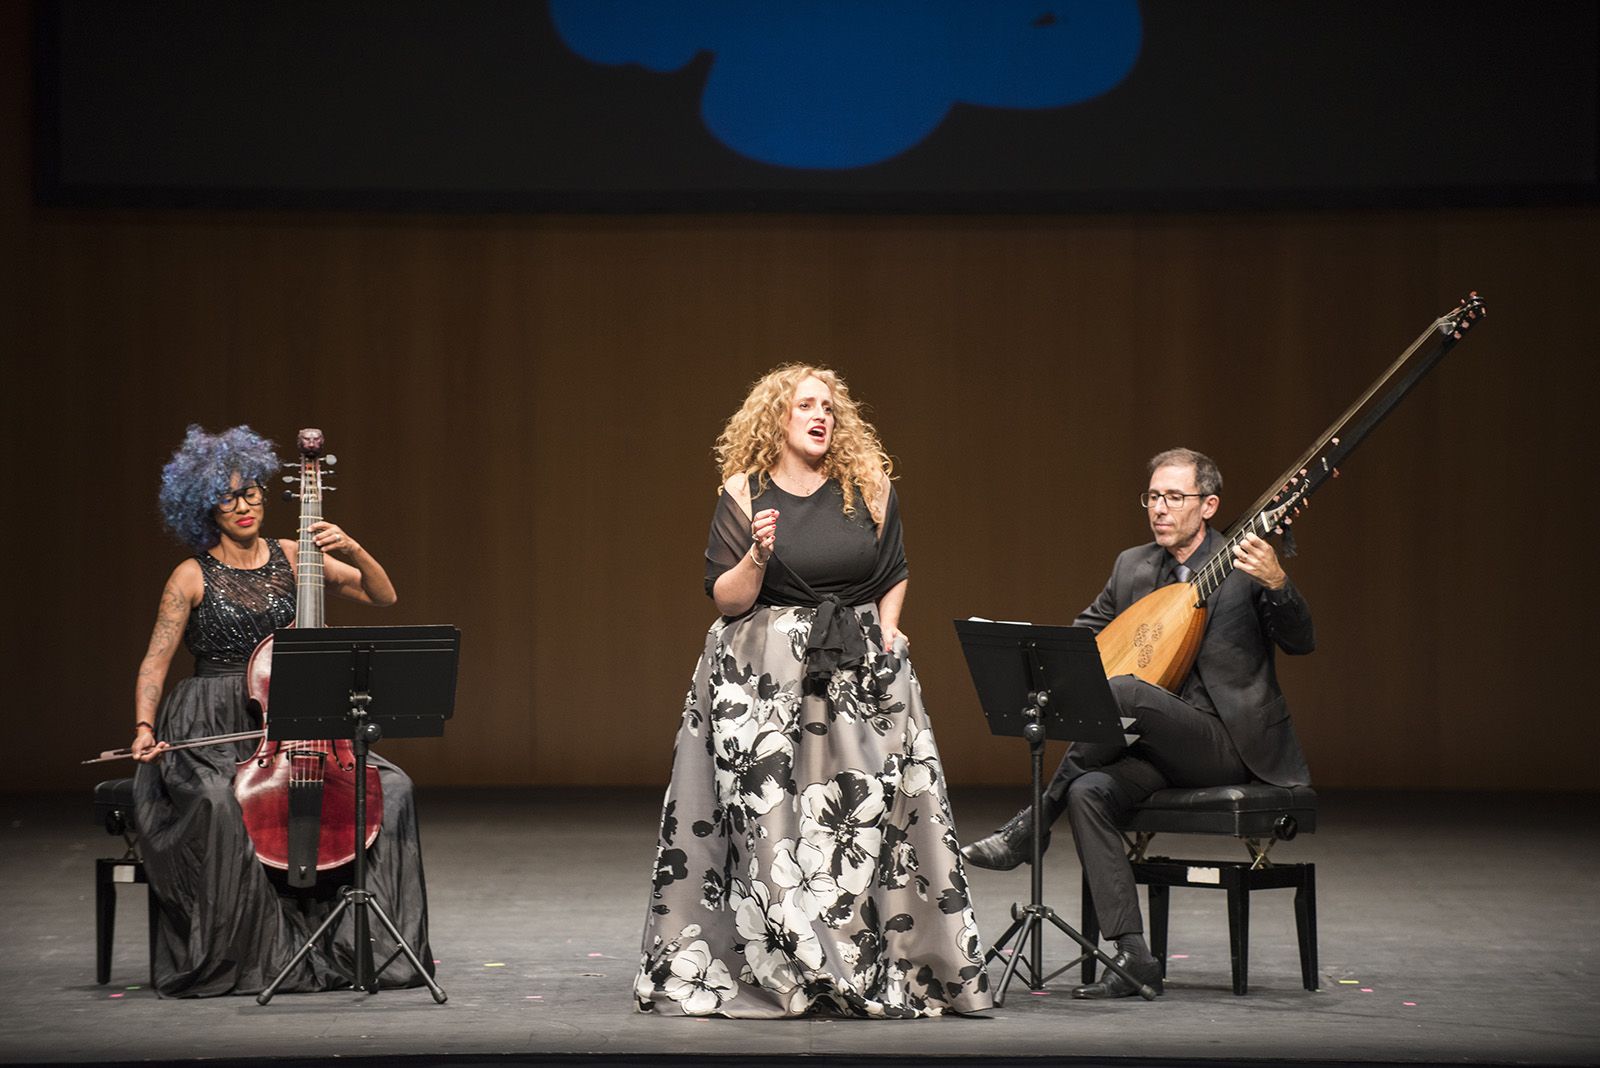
205, 667
835, 641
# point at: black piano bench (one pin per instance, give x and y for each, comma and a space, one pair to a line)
113, 810
1257, 814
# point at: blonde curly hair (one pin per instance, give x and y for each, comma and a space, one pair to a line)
752, 442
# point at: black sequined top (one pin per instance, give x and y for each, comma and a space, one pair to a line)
240, 606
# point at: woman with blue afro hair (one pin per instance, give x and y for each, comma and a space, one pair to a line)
227, 924
200, 474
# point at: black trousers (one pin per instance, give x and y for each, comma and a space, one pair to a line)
1098, 785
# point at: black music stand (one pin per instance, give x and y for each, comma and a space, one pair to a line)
362, 683
1035, 683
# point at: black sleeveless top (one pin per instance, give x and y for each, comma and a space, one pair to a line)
824, 559
828, 550
240, 606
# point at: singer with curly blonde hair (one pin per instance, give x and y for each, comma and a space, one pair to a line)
754, 438
807, 857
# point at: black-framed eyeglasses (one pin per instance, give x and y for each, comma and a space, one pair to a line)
1174, 499
251, 495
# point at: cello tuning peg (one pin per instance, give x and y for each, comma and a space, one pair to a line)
290, 495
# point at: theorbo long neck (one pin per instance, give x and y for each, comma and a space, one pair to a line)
1209, 578
1214, 571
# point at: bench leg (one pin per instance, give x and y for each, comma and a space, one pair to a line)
1238, 929
153, 908
105, 918
1158, 896
1305, 923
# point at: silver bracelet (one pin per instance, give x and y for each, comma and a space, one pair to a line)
757, 560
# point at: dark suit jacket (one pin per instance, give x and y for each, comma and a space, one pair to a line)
1233, 673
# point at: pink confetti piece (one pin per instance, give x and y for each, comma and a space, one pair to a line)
1179, 956
436, 960
597, 954
1409, 1004
1040, 993
534, 997
118, 995
1366, 990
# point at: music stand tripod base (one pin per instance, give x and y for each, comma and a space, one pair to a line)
1018, 665
357, 896
418, 689
1029, 920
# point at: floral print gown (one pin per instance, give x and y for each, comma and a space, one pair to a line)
807, 859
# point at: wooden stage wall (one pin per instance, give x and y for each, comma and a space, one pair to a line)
524, 407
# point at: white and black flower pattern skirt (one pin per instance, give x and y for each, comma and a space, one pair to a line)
808, 860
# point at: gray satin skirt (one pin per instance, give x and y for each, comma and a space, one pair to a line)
807, 859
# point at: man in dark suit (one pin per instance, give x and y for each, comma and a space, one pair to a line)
1227, 724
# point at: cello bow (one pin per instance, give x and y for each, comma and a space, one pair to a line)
192, 743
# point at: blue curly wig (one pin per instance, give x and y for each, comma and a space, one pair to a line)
199, 475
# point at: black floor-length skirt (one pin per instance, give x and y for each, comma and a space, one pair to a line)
225, 925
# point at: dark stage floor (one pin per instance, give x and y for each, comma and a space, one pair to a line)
1454, 929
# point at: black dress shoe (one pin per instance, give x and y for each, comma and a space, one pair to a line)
1006, 847
1147, 970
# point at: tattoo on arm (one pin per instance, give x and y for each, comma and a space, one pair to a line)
171, 617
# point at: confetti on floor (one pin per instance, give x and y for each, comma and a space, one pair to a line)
1174, 956
1349, 982
494, 964
1366, 990
592, 954
1409, 1004
534, 997
1035, 993
117, 995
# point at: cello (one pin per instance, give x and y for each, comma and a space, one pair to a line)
1158, 636
298, 797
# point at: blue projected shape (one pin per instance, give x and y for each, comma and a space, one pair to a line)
836, 84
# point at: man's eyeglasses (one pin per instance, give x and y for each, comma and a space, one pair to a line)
1174, 499
251, 495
